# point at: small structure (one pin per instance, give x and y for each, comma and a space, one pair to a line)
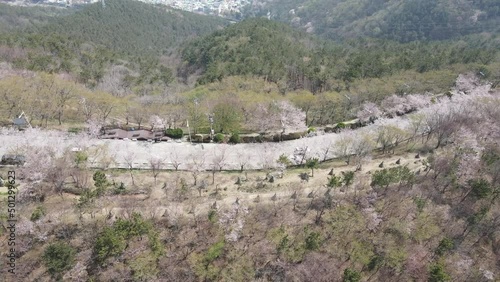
21, 122
136, 135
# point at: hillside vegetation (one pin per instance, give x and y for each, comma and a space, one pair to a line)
294, 60
394, 19
15, 18
123, 43
133, 27
394, 173
423, 209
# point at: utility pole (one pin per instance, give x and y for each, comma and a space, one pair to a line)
103, 4
189, 132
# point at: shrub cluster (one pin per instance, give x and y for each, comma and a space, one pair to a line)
175, 133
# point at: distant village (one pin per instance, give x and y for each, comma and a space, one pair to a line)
209, 7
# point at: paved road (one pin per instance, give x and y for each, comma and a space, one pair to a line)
254, 156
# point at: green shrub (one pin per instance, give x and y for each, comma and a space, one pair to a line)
420, 202
375, 262
334, 181
219, 138
81, 158
108, 243
37, 213
100, 179
437, 274
120, 189
383, 178
351, 275
235, 138
175, 133
445, 245
58, 257
313, 241
214, 252
480, 188
284, 160
341, 125
311, 129
100, 182
112, 241
74, 130
212, 216
348, 178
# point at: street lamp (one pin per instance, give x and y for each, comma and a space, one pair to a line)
211, 120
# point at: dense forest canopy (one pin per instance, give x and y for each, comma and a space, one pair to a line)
13, 17
260, 47
394, 19
133, 27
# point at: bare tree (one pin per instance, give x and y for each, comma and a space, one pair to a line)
218, 159
63, 96
58, 172
102, 156
266, 159
137, 114
243, 159
442, 122
417, 125
114, 81
156, 164
129, 160
389, 136
361, 148
196, 165
175, 158
326, 146
343, 145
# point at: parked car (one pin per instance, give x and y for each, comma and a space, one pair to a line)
13, 160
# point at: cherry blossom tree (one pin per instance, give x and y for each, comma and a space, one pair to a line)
156, 122
292, 119
369, 112
395, 106
417, 101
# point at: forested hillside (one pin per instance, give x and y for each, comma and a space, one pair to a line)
133, 27
394, 19
391, 171
12, 17
295, 60
122, 42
